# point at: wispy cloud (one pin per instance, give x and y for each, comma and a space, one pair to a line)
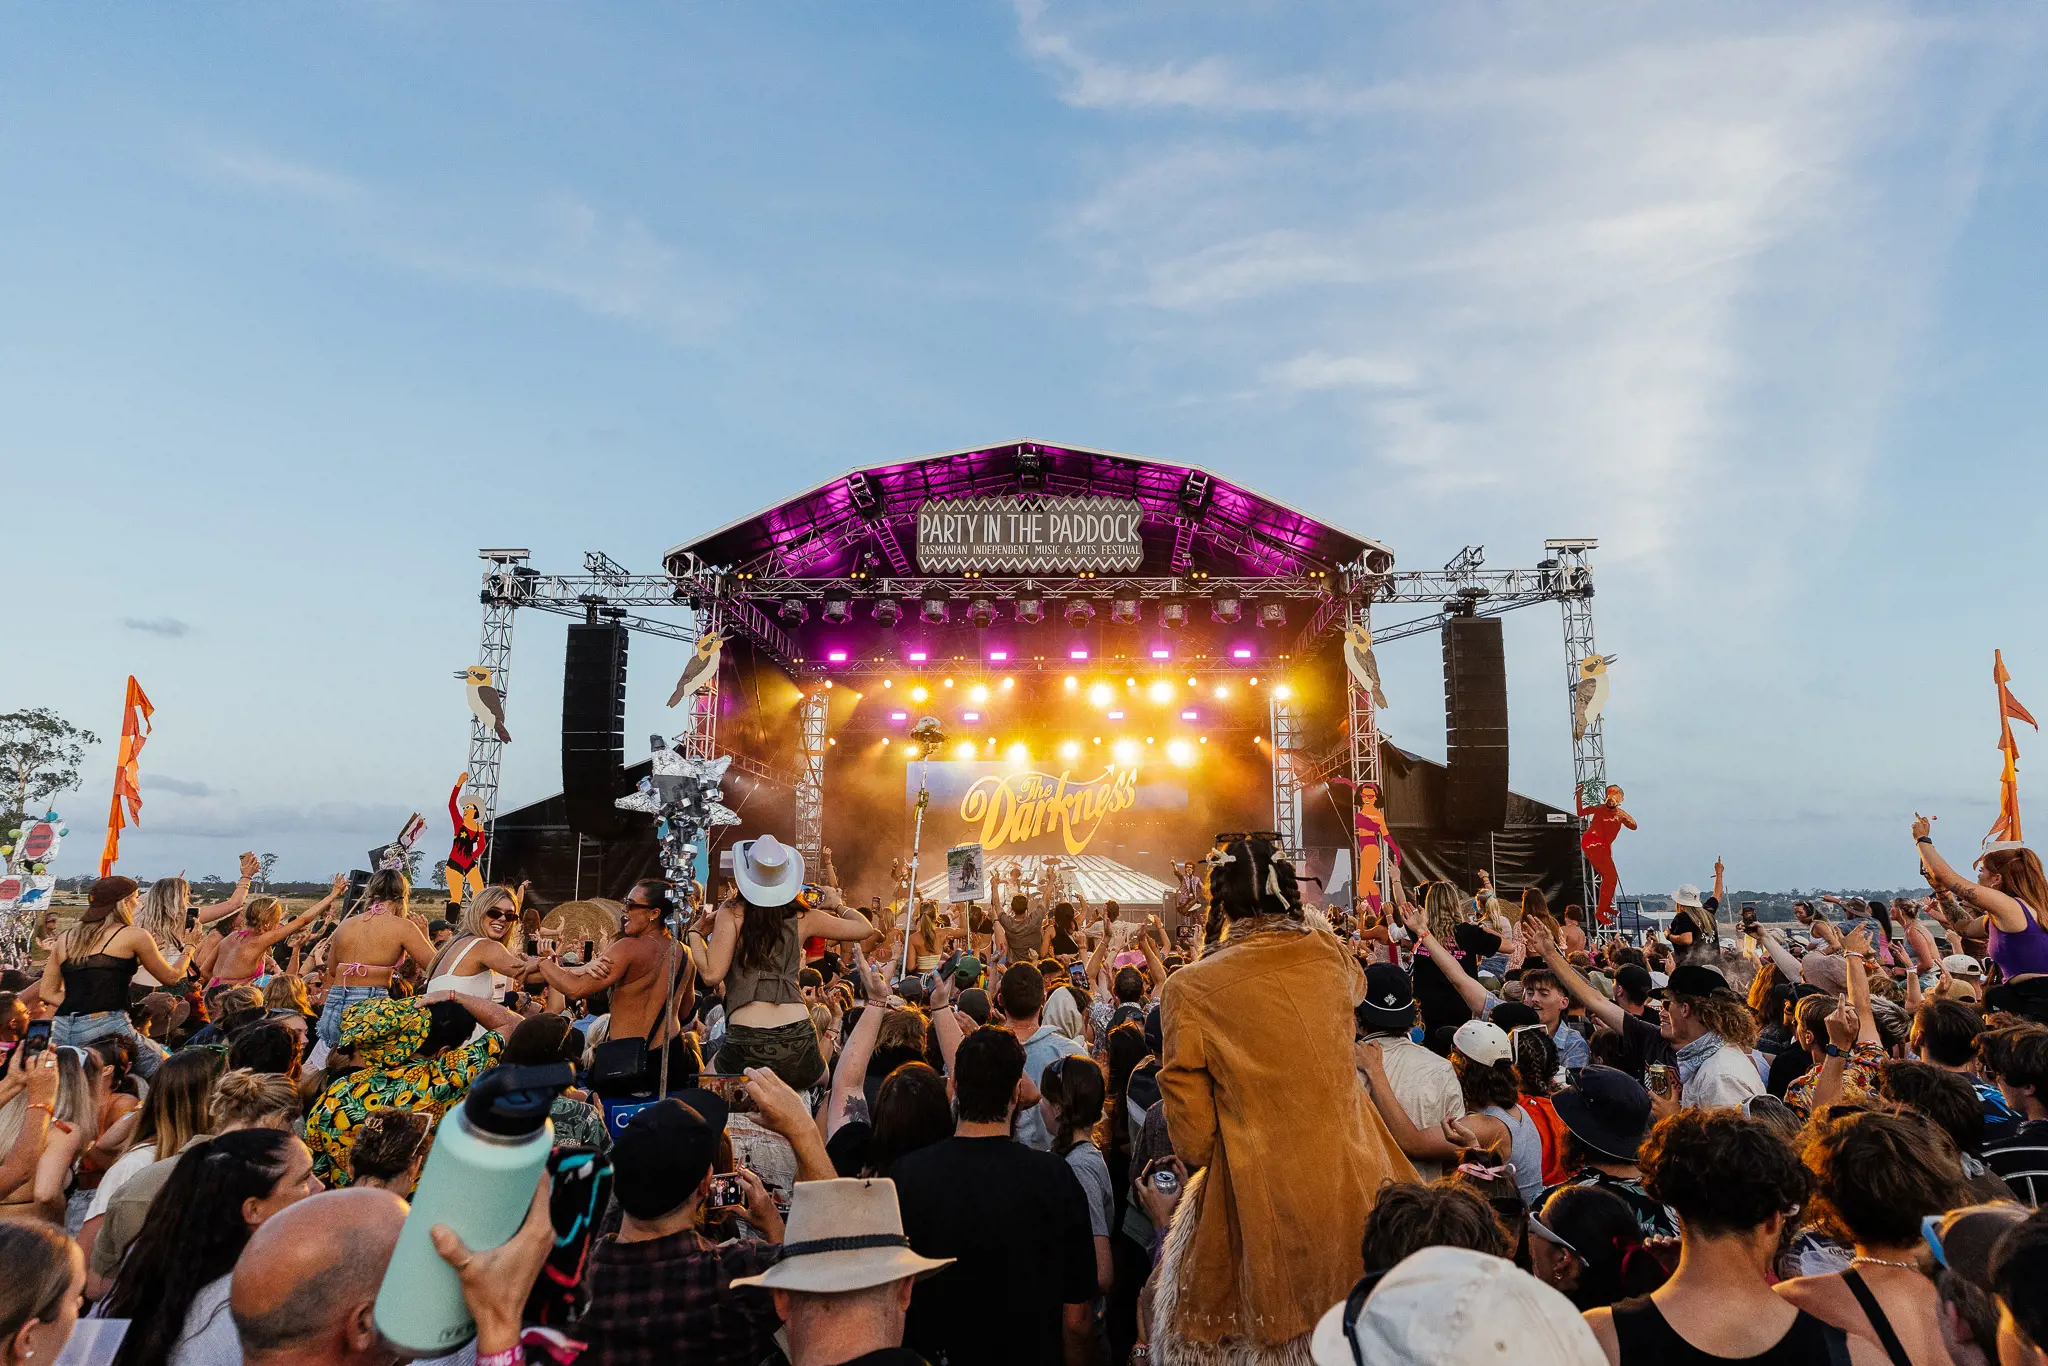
1522, 253
608, 264
179, 787
169, 627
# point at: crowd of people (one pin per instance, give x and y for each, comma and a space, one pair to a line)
1449, 1128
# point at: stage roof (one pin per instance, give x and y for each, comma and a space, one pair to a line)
866, 519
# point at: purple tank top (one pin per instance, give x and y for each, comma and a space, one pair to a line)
2022, 954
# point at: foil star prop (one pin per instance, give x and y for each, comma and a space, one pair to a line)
686, 797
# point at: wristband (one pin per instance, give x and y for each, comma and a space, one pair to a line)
511, 1356
1833, 1051
49, 1110
1923, 839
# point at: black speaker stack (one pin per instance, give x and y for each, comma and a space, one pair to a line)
594, 728
1476, 726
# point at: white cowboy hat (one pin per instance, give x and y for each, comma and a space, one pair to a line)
769, 872
843, 1235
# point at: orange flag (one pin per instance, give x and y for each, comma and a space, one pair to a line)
2007, 826
136, 712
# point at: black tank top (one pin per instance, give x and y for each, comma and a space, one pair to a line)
1646, 1339
97, 983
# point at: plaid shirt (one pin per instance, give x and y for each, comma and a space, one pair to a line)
670, 1300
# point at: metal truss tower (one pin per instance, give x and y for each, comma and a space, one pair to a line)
1571, 578
504, 584
700, 740
1286, 737
810, 783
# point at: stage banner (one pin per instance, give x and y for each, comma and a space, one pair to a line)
1029, 535
1011, 810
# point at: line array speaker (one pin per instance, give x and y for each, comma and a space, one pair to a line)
1476, 725
594, 728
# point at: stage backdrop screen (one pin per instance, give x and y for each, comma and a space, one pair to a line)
1112, 809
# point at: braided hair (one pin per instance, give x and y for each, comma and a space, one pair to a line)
1250, 880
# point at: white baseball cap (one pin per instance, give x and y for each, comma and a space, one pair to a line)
769, 872
1483, 1042
1962, 965
1451, 1306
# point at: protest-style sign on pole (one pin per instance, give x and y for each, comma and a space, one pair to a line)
136, 712
2006, 829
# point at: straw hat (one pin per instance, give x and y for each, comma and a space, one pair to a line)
844, 1235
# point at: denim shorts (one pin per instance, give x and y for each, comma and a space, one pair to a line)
82, 1031
339, 999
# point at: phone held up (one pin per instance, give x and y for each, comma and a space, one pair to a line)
726, 1191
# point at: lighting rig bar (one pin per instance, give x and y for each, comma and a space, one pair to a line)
958, 587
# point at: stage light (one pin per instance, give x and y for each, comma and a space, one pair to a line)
1148, 740
1030, 611
888, 612
838, 607
977, 693
1072, 682
1283, 692
917, 656
998, 656
920, 693
1191, 680
1009, 683
910, 747
888, 682
1255, 681
1181, 753
1077, 654
899, 716
828, 685
964, 750
1020, 753
1203, 740
1221, 692
1273, 614
1070, 750
1161, 691
1173, 615
835, 657
970, 716
1125, 751
1124, 611
1116, 716
981, 614
858, 696
793, 612
1187, 716
934, 609
1162, 654
1100, 694
1098, 739
831, 739
1241, 652
1079, 613
1229, 611
948, 683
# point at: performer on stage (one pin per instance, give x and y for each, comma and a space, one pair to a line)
1607, 820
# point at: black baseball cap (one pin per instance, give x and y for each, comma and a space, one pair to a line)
1635, 979
1389, 1004
664, 1153
974, 1004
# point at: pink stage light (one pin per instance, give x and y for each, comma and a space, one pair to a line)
835, 657
1162, 654
998, 656
899, 716
1187, 716
970, 716
917, 656
1239, 653
1116, 716
1077, 654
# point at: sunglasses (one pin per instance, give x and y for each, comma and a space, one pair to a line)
497, 915
1930, 1233
1552, 1236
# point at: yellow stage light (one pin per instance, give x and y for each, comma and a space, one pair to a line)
1100, 694
1072, 683
888, 682
1162, 691
1255, 682
1205, 739
1126, 752
949, 682
1070, 750
1191, 680
1150, 741
964, 750
977, 693
1009, 683
1098, 739
919, 693
1020, 753
1283, 692
1181, 753
1130, 682
828, 683
1221, 692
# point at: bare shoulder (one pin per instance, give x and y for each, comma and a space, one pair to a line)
1824, 1297
1601, 1321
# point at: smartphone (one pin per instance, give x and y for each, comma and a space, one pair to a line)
1079, 973
726, 1191
37, 1039
730, 1087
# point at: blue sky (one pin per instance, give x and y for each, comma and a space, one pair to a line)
299, 307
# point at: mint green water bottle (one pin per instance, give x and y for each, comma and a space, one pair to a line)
479, 1180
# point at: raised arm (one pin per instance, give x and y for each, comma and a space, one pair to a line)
1096, 958
725, 938
1781, 957
1720, 876
945, 1022
1155, 966
852, 1068
1417, 922
2004, 911
586, 979
152, 958
834, 920
250, 867
1580, 990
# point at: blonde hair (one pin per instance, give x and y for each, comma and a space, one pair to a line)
1442, 901
471, 921
262, 912
286, 992
40, 1262
163, 909
243, 1099
74, 1104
